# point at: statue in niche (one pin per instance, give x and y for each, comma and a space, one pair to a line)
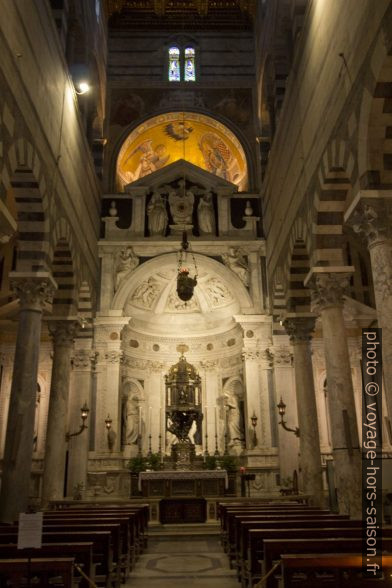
157, 215
126, 262
130, 421
205, 214
236, 261
235, 429
181, 204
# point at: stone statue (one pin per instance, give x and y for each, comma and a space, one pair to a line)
238, 264
126, 262
234, 421
205, 214
157, 215
181, 205
130, 422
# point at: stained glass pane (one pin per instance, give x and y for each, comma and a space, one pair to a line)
189, 67
174, 64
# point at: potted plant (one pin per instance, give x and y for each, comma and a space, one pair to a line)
153, 461
137, 464
210, 462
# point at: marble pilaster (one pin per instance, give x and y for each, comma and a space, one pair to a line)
257, 364
107, 273
328, 285
210, 395
108, 374
288, 444
299, 329
63, 333
370, 215
83, 360
33, 291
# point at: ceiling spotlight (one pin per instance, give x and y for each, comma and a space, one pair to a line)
82, 88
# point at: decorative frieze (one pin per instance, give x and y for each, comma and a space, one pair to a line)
84, 359
282, 356
113, 356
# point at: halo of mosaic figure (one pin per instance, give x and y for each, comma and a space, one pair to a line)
183, 411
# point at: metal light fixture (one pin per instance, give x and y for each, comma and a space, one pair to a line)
84, 414
253, 420
185, 284
282, 411
82, 87
108, 423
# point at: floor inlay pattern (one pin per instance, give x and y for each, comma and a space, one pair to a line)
173, 561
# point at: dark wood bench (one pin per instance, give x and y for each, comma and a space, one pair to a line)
338, 570
231, 516
273, 549
105, 570
127, 536
48, 571
225, 511
81, 552
238, 539
256, 539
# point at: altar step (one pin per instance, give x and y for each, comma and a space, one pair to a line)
158, 530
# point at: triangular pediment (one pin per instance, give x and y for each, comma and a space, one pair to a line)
182, 169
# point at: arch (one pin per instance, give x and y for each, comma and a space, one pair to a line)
374, 138
63, 269
210, 142
29, 189
170, 261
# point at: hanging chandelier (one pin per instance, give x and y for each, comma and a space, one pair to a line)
185, 284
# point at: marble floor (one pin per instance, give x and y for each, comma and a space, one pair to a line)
192, 561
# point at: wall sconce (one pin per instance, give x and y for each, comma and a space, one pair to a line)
111, 435
108, 423
253, 420
84, 414
282, 411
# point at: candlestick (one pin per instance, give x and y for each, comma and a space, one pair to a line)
150, 417
206, 433
140, 421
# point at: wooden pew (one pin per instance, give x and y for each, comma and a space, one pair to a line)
231, 516
105, 570
339, 570
225, 511
273, 549
137, 523
238, 539
13, 572
81, 552
140, 514
257, 537
126, 554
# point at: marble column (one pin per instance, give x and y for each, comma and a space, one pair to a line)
33, 291
63, 333
83, 362
299, 329
328, 285
370, 215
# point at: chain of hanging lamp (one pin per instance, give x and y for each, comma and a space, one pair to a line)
185, 284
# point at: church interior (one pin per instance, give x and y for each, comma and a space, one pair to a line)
196, 291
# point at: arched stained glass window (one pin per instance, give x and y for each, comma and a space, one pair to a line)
174, 64
189, 65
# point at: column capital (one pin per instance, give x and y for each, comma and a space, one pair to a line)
83, 359
370, 214
113, 356
63, 331
34, 290
299, 327
328, 285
